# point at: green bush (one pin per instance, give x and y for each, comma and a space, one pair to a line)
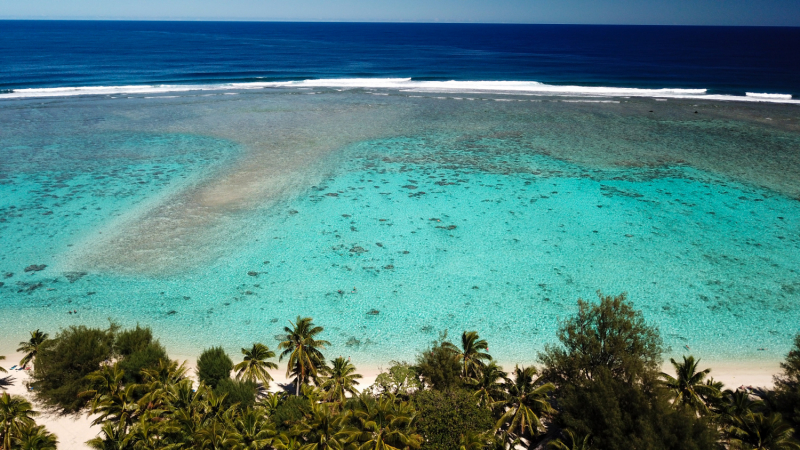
132, 340
439, 368
606, 373
290, 412
241, 392
61, 367
400, 379
144, 358
213, 366
622, 415
446, 416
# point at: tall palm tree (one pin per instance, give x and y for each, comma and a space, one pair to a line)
35, 437
384, 424
472, 354
1, 359
254, 366
303, 351
489, 385
688, 387
16, 413
526, 399
32, 346
341, 380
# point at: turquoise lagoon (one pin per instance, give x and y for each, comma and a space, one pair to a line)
390, 217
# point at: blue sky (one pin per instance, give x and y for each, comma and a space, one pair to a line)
666, 12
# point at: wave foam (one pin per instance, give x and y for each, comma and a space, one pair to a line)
769, 96
408, 85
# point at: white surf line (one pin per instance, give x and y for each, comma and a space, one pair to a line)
408, 85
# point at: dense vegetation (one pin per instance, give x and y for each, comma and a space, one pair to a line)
599, 386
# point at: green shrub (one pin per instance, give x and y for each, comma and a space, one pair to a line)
439, 367
290, 412
446, 416
606, 373
132, 340
61, 367
400, 379
241, 392
144, 358
213, 366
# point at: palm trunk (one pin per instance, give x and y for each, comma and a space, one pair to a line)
300, 377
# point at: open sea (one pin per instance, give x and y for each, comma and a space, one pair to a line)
213, 180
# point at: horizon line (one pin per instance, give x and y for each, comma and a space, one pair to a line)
233, 20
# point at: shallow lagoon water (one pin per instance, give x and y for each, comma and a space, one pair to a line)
391, 218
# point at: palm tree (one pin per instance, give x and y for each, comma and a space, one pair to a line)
32, 346
217, 436
16, 413
255, 428
770, 432
158, 380
111, 400
323, 430
489, 385
303, 351
342, 380
114, 438
472, 353
384, 424
472, 440
573, 442
36, 438
254, 366
144, 434
285, 442
525, 399
688, 387
5, 381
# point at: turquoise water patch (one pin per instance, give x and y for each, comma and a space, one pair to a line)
400, 247
411, 236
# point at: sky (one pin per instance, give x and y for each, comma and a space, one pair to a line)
644, 12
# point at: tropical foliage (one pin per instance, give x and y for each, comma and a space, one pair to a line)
255, 366
18, 427
303, 351
32, 346
598, 387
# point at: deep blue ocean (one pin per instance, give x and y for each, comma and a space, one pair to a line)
724, 60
